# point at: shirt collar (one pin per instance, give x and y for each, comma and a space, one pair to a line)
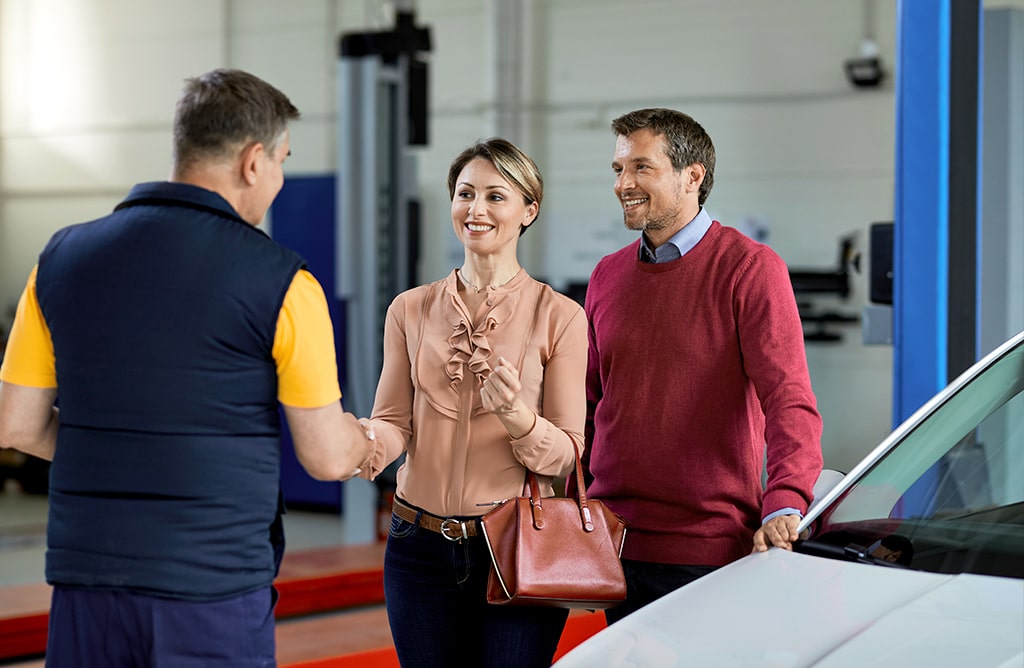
680, 243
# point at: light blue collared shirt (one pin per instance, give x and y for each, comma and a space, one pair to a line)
681, 243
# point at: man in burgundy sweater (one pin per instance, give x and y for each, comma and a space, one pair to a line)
696, 370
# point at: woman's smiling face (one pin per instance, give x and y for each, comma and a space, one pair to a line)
488, 211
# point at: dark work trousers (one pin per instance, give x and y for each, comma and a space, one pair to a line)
647, 582
109, 629
435, 591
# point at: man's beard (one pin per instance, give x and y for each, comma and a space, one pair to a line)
652, 224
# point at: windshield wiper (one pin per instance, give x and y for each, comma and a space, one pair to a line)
852, 552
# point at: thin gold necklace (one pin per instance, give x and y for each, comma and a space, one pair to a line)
469, 284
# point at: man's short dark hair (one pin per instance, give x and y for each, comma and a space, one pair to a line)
223, 110
686, 142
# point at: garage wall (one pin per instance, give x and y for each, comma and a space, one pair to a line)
87, 90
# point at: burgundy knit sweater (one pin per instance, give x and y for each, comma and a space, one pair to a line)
694, 365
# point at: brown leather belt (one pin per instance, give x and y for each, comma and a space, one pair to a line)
450, 528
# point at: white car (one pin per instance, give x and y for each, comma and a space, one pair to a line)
914, 558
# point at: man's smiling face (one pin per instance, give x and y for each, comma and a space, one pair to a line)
653, 194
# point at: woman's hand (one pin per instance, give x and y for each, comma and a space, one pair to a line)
500, 395
371, 437
501, 389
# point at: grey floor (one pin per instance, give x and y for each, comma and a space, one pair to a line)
23, 533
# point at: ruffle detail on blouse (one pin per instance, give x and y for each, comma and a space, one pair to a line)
472, 346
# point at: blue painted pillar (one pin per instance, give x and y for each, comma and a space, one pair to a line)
920, 232
937, 217
937, 204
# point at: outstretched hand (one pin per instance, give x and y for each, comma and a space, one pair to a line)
370, 437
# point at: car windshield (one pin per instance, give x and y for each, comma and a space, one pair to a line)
949, 496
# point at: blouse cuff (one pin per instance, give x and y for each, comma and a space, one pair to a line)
533, 439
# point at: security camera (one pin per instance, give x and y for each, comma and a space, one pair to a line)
864, 72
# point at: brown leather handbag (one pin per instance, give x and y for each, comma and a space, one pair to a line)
556, 552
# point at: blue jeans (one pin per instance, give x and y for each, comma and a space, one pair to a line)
104, 629
435, 591
648, 581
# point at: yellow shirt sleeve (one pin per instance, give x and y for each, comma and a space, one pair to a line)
29, 359
307, 369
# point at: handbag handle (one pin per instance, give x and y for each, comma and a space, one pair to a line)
532, 488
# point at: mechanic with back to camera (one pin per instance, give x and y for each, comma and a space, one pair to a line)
172, 330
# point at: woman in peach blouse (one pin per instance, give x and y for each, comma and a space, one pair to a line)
483, 378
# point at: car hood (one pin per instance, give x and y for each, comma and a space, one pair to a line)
781, 608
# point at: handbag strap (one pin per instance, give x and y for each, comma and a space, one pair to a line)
532, 488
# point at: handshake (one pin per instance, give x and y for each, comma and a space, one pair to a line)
330, 443
370, 438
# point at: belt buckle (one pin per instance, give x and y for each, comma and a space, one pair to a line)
447, 523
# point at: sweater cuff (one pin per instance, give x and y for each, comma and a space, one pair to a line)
780, 499
784, 511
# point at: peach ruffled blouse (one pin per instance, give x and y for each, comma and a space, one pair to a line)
460, 459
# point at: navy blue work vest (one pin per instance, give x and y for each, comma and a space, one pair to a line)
166, 474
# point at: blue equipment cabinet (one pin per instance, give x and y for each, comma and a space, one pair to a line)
303, 218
